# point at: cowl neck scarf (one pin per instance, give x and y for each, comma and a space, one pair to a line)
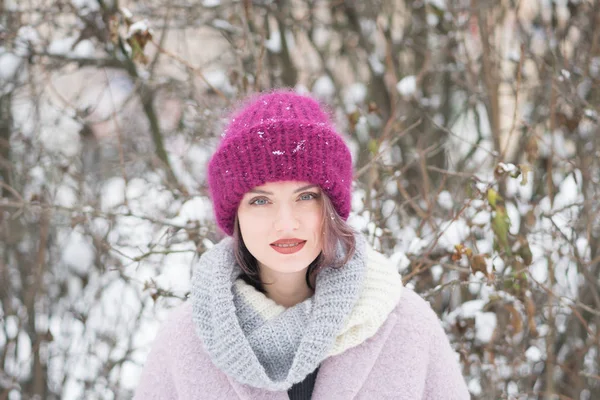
275, 352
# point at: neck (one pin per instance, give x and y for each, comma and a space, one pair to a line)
286, 289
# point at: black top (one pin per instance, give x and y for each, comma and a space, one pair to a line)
303, 390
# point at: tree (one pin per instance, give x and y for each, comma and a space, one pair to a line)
474, 130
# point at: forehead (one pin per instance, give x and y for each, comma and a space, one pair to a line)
284, 187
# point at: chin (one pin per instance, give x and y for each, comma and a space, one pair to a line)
289, 265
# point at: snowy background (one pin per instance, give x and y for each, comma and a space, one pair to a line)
475, 137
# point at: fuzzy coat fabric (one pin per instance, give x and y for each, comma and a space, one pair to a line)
408, 358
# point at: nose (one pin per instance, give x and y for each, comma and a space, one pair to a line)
285, 219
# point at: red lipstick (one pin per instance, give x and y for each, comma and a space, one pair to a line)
288, 246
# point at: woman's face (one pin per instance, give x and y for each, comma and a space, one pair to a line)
281, 225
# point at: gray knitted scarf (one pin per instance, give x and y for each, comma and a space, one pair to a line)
277, 352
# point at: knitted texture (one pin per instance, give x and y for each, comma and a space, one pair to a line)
408, 358
276, 353
379, 295
280, 136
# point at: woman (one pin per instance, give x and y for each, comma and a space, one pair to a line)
295, 304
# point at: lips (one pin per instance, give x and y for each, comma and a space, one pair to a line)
288, 246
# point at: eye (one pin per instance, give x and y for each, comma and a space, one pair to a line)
308, 196
261, 201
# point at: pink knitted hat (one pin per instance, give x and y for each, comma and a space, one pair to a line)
279, 136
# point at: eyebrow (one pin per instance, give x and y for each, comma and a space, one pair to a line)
269, 193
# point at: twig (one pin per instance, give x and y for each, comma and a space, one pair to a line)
514, 118
191, 67
573, 309
87, 211
366, 167
448, 131
12, 190
119, 137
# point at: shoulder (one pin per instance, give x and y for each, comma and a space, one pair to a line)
179, 320
412, 307
184, 354
414, 322
177, 365
178, 333
419, 338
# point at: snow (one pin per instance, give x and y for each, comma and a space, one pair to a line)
171, 276
400, 260
299, 146
515, 217
453, 233
376, 64
388, 208
113, 193
595, 67
126, 13
569, 192
223, 25
274, 42
323, 87
445, 200
583, 248
469, 309
211, 3
588, 112
91, 5
146, 197
416, 245
140, 27
507, 168
84, 49
61, 135
368, 27
485, 323
197, 209
9, 65
26, 36
432, 19
135, 236
11, 326
301, 89
219, 80
533, 354
362, 129
440, 4
65, 196
77, 252
407, 86
11, 5
24, 355
62, 46
436, 272
481, 218
465, 135
514, 187
321, 36
474, 386
355, 94
555, 142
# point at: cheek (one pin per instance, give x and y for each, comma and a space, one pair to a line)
250, 230
250, 221
315, 225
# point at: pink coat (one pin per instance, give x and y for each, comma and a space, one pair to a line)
408, 358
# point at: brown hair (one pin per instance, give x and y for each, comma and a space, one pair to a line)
335, 230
